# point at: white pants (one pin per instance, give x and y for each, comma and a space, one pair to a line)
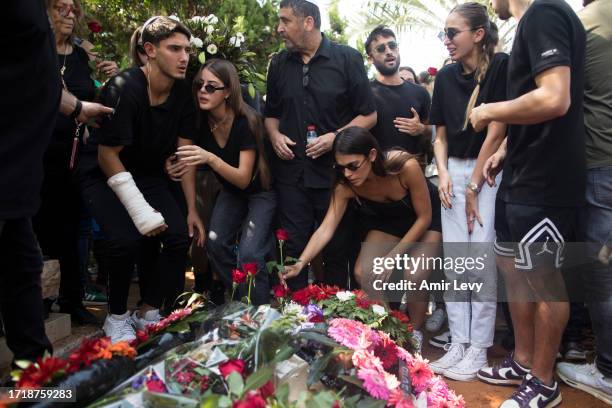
471, 320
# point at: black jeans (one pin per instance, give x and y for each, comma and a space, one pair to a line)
301, 210
249, 220
122, 242
57, 227
20, 291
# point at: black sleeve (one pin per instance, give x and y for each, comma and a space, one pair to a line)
360, 92
245, 136
273, 96
436, 115
187, 129
425, 107
547, 32
118, 129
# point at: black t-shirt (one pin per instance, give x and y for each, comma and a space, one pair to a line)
77, 77
240, 138
148, 133
31, 92
336, 90
546, 164
452, 92
394, 101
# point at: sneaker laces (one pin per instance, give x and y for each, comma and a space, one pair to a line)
523, 394
469, 357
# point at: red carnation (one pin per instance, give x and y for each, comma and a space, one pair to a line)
94, 27
280, 291
253, 400
281, 235
238, 276
301, 296
267, 390
386, 351
433, 71
250, 268
230, 366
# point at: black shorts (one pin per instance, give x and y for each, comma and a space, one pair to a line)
534, 235
436, 208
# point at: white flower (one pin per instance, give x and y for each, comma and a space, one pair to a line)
344, 296
210, 29
293, 308
196, 42
212, 49
267, 29
235, 42
379, 310
197, 19
240, 37
174, 17
211, 19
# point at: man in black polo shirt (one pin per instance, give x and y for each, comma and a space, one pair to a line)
313, 82
544, 179
126, 188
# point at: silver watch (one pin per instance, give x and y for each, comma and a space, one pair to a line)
474, 187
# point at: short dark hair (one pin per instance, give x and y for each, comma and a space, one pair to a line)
303, 9
160, 28
379, 31
414, 74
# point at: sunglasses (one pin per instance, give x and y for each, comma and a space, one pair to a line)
381, 47
208, 88
352, 167
66, 9
451, 33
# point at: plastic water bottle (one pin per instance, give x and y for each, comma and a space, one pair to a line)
311, 134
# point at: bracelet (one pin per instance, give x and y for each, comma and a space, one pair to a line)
77, 110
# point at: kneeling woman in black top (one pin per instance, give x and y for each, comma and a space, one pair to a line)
232, 145
393, 203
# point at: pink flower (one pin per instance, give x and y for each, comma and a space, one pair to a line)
455, 401
398, 399
184, 377
349, 333
374, 382
404, 355
155, 385
386, 350
420, 373
366, 359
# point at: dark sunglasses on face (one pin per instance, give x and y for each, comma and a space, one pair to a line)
451, 33
64, 10
353, 167
381, 47
208, 88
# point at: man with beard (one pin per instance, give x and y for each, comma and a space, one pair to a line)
321, 83
542, 198
126, 188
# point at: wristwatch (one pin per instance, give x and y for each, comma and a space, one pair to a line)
473, 186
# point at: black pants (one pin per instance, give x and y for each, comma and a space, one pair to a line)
20, 291
57, 228
121, 246
301, 210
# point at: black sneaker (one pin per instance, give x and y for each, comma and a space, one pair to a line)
509, 372
441, 340
534, 394
573, 351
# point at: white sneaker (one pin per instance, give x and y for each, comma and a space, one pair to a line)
417, 340
119, 328
454, 354
150, 317
436, 320
588, 378
441, 340
474, 359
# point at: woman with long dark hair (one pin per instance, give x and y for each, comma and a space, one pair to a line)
477, 76
393, 205
232, 145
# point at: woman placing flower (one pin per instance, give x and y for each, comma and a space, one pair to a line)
232, 145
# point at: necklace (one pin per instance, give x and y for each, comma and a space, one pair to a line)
215, 126
63, 68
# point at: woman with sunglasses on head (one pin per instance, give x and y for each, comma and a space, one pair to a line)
477, 76
231, 143
392, 199
57, 223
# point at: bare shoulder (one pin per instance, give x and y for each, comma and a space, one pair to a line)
344, 192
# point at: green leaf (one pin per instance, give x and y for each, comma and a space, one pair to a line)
224, 402
369, 402
284, 354
235, 383
352, 380
258, 379
320, 338
282, 393
251, 90
211, 401
202, 57
318, 368
271, 266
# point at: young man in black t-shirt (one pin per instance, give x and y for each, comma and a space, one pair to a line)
126, 188
544, 180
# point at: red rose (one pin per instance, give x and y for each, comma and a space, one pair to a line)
280, 291
432, 71
281, 235
267, 390
253, 400
94, 27
230, 366
302, 296
250, 268
238, 276
337, 404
